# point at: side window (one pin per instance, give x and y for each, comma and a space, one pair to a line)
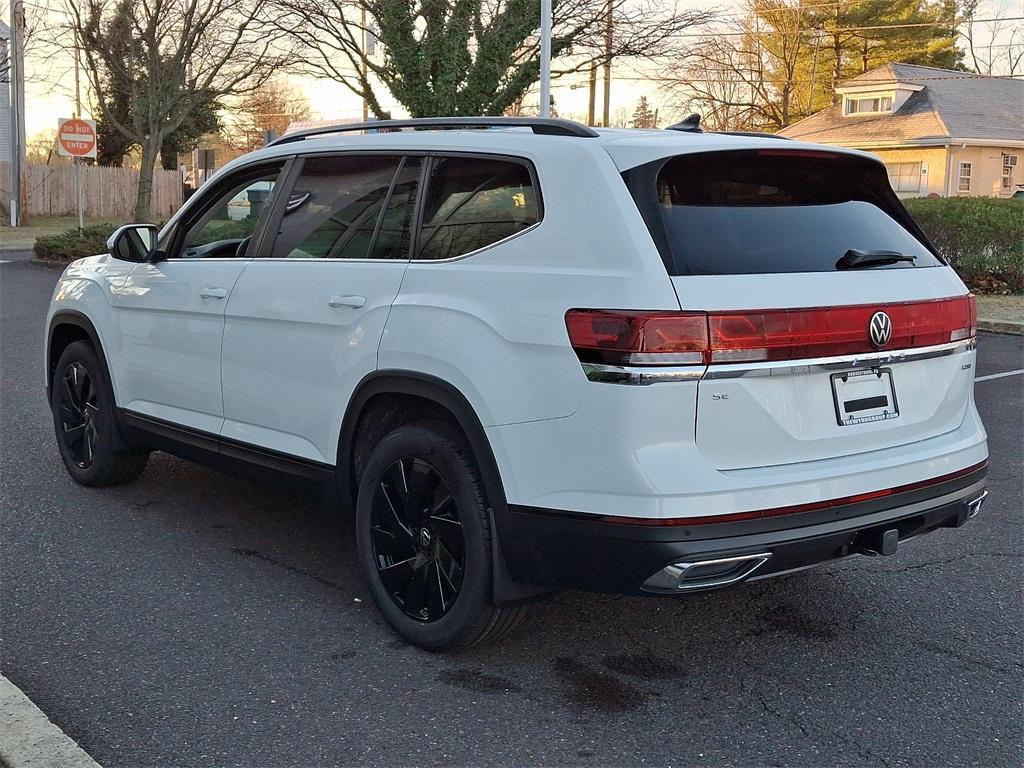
473, 202
334, 210
233, 216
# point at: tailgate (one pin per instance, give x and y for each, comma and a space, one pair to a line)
833, 328
772, 412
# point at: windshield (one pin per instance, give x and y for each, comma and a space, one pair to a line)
771, 211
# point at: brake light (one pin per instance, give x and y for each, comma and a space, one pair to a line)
697, 338
638, 338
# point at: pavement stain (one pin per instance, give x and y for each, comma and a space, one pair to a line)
787, 618
643, 666
476, 681
591, 689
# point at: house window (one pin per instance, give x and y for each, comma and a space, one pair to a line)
874, 104
904, 177
1009, 163
963, 181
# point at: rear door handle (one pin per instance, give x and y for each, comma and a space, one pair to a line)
213, 293
346, 301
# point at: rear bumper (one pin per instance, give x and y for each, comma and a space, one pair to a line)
579, 551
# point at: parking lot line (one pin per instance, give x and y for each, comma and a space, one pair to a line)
1002, 375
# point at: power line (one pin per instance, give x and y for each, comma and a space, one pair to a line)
840, 30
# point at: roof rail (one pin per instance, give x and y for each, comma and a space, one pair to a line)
541, 125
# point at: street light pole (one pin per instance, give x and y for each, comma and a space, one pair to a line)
545, 58
16, 56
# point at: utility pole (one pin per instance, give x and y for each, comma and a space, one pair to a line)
17, 74
607, 64
593, 95
79, 195
362, 64
545, 58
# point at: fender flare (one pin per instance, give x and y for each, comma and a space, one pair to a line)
509, 584
79, 320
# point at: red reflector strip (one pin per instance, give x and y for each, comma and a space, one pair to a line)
794, 509
699, 338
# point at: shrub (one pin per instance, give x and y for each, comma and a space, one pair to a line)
72, 244
981, 237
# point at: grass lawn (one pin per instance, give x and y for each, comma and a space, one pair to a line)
23, 238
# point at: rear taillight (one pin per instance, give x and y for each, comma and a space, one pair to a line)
638, 338
698, 338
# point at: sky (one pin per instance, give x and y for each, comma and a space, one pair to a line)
50, 87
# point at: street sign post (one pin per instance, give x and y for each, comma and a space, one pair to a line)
77, 138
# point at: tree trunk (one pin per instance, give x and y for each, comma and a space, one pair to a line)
837, 71
144, 202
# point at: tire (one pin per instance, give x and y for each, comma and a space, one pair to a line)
85, 422
429, 574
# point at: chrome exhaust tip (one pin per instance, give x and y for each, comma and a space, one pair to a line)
974, 505
693, 575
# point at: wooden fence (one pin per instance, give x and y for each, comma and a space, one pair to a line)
106, 192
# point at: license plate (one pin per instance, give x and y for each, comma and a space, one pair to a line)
862, 396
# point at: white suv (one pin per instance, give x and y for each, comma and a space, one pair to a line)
537, 356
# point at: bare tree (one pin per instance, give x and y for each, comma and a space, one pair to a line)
268, 109
748, 78
465, 57
170, 56
996, 47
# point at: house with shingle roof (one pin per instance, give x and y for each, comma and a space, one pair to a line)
940, 132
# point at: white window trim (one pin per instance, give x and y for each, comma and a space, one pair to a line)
961, 176
857, 98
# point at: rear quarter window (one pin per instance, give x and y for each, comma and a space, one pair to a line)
772, 211
474, 202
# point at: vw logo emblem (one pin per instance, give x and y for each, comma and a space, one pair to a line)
880, 329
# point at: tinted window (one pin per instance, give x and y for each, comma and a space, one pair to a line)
334, 209
392, 241
232, 216
473, 202
771, 211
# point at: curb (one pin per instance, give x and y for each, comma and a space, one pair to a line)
29, 740
48, 263
1012, 327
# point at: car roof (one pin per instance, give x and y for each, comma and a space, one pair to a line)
627, 147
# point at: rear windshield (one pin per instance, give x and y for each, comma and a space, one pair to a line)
770, 211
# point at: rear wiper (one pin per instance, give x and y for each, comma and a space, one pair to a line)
854, 259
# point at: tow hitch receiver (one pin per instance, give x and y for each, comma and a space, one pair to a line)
878, 542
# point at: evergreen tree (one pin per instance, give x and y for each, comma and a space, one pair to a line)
643, 115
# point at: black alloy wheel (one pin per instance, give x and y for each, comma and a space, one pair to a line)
78, 414
90, 437
417, 539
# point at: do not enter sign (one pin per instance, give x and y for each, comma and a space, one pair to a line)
76, 138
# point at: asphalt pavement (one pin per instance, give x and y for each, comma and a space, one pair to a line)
196, 619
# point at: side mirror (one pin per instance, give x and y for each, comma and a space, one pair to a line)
133, 242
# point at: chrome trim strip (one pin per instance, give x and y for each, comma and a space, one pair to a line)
638, 374
825, 364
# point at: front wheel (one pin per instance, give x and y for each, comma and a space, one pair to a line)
424, 539
88, 437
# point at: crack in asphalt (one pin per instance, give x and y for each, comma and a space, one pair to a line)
244, 552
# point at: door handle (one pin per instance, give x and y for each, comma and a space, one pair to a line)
346, 301
213, 293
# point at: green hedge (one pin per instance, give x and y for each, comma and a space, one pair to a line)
72, 244
982, 237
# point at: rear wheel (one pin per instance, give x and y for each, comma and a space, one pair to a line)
88, 437
424, 538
